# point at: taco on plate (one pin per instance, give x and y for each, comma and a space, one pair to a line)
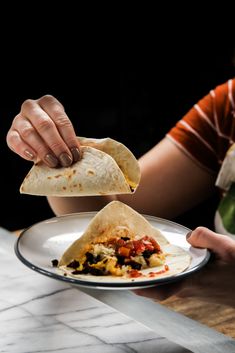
107, 167
120, 242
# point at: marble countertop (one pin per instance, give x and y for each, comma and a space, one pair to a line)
39, 314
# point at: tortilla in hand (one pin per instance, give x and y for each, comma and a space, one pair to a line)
119, 242
107, 167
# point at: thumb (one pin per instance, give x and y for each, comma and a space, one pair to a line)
222, 245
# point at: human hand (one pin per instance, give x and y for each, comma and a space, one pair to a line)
214, 277
221, 245
43, 131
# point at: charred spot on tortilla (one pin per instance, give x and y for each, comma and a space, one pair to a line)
119, 242
90, 172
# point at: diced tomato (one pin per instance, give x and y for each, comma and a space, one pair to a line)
149, 247
127, 248
123, 251
139, 246
155, 244
120, 242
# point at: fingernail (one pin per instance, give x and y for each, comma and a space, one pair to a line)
51, 160
76, 154
188, 235
29, 155
65, 159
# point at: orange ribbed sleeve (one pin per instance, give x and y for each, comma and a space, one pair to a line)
207, 131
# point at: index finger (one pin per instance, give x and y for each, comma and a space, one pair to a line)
57, 113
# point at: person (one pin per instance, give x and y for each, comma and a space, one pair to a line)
178, 173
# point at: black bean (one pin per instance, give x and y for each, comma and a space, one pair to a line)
134, 265
74, 264
147, 253
54, 262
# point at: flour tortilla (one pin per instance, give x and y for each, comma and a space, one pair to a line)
107, 167
103, 227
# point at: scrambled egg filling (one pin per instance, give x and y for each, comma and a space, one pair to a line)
131, 184
119, 256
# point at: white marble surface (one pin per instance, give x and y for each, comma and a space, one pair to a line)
39, 314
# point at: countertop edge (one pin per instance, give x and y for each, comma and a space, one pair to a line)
174, 326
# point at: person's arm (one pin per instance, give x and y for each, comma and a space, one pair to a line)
171, 182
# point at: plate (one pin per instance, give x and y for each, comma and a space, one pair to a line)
39, 244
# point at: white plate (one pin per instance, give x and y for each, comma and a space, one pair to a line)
38, 245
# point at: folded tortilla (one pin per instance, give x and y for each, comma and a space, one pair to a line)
114, 222
107, 167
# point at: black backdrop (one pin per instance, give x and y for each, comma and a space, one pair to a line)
133, 94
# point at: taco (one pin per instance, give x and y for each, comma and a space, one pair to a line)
107, 167
120, 242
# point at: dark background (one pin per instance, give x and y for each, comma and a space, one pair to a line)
133, 92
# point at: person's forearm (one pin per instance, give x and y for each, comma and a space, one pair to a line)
171, 183
65, 205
